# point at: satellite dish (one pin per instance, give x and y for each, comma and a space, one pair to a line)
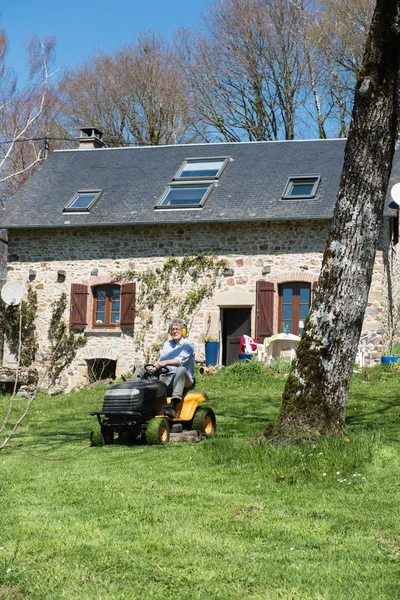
12, 292
395, 194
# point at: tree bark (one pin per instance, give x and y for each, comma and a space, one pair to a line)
315, 396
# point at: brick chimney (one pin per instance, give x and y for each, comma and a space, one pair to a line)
90, 137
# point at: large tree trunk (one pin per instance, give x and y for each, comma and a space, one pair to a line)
314, 400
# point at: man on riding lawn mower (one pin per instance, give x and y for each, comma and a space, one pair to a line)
177, 355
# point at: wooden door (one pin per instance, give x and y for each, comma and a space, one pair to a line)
236, 322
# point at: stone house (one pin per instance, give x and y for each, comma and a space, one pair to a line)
265, 207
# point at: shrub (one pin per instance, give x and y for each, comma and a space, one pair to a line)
64, 344
29, 340
249, 368
281, 365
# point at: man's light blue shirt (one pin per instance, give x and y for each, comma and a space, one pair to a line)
182, 351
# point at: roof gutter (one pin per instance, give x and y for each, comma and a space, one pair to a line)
163, 223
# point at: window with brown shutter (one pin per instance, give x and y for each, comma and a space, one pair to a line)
79, 296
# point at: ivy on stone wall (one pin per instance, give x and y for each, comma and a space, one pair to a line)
178, 288
29, 338
63, 343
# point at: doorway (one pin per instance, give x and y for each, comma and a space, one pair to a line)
235, 323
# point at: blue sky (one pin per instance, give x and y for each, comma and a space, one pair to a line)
83, 26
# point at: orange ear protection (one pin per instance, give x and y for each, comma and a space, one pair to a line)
181, 322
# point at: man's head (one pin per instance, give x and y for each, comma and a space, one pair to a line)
177, 329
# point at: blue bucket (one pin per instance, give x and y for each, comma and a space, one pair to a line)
386, 360
245, 357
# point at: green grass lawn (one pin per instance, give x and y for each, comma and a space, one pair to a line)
229, 518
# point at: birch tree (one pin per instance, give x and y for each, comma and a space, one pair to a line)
26, 115
336, 32
315, 395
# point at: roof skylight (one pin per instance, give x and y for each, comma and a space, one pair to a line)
185, 195
300, 187
194, 169
83, 201
193, 183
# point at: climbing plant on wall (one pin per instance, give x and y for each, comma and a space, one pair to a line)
28, 344
178, 288
64, 344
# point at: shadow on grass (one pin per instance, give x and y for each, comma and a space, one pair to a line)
374, 413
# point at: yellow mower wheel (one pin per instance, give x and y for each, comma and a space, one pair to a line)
204, 421
157, 432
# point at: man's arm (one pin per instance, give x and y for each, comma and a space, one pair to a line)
186, 352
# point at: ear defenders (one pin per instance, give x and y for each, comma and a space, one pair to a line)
180, 322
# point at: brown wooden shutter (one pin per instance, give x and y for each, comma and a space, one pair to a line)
79, 296
313, 290
128, 295
265, 309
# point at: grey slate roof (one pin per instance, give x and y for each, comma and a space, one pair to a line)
134, 179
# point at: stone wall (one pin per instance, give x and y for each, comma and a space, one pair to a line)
52, 260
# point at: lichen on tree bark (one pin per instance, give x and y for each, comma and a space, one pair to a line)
315, 395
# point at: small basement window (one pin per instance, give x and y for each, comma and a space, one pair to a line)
185, 196
301, 187
201, 169
83, 201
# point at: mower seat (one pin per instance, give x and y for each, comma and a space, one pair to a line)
190, 388
185, 390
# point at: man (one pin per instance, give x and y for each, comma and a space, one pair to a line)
177, 355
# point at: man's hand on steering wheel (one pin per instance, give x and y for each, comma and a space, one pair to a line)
152, 367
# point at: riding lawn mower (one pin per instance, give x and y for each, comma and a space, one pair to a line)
134, 411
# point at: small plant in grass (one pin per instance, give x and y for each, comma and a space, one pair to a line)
249, 368
393, 350
280, 364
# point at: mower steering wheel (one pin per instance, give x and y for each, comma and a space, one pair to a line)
150, 368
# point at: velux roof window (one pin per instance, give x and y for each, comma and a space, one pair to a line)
185, 195
83, 201
301, 187
194, 169
193, 183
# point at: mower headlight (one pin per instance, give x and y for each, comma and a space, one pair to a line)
118, 393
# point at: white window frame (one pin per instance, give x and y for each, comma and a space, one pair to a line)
185, 185
69, 208
187, 161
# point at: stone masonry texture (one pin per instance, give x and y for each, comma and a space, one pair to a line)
276, 251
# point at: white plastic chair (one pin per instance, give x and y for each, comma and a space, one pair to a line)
259, 350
